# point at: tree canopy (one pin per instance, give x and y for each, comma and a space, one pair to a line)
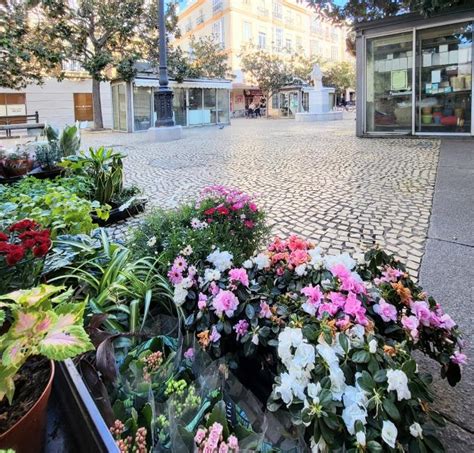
354, 11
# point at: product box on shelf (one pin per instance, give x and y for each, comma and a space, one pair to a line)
453, 57
444, 58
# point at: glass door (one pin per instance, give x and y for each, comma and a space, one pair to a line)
389, 84
209, 111
195, 107
222, 106
444, 79
179, 106
119, 107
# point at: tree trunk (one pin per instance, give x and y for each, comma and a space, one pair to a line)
97, 105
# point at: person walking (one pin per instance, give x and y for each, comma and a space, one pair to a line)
251, 109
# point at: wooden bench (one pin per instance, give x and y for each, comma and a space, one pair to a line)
10, 123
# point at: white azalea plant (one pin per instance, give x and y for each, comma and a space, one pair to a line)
331, 337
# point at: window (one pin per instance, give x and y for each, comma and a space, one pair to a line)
218, 31
142, 108
288, 45
334, 53
313, 47
289, 17
189, 26
216, 6
13, 104
315, 26
277, 9
262, 8
262, 40
299, 43
246, 31
200, 18
278, 38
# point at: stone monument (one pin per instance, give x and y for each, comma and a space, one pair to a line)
318, 100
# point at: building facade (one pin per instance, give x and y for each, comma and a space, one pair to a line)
278, 26
414, 75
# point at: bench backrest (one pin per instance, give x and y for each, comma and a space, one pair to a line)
19, 119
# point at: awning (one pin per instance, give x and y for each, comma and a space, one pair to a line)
197, 83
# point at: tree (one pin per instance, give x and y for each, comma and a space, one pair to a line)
340, 75
354, 11
99, 34
269, 71
301, 66
206, 58
26, 54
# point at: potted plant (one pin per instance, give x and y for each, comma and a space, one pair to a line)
17, 164
39, 325
51, 151
23, 247
105, 168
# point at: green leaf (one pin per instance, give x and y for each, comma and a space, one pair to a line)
374, 447
409, 368
344, 342
250, 311
380, 376
433, 444
391, 409
361, 356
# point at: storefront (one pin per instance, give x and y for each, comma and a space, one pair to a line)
196, 102
414, 75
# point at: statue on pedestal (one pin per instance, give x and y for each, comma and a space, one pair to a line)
317, 77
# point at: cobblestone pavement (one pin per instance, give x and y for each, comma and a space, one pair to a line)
316, 180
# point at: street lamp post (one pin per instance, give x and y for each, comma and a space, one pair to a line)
164, 96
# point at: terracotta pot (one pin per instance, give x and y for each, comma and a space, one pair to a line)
27, 434
17, 167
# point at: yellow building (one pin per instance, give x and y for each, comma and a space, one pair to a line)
278, 26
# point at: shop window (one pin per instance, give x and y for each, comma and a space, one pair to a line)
209, 111
222, 106
13, 105
444, 65
389, 83
142, 108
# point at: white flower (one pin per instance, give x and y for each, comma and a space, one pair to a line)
360, 436
338, 382
151, 242
262, 261
180, 294
351, 414
300, 270
186, 251
196, 224
309, 308
255, 339
327, 353
398, 381
211, 274
313, 391
373, 346
359, 257
304, 355
285, 388
186, 282
343, 258
357, 334
221, 260
389, 433
416, 430
320, 447
248, 264
317, 260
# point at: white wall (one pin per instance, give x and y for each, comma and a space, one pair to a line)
54, 100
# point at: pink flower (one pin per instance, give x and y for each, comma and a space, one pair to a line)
180, 263
315, 296
349, 281
386, 311
175, 276
225, 302
200, 436
340, 271
239, 275
298, 257
313, 293
338, 299
223, 448
265, 311
189, 354
459, 358
327, 308
215, 432
296, 243
343, 323
241, 328
280, 271
233, 442
215, 335
202, 301
446, 322
422, 312
390, 274
411, 323
352, 305
214, 288
249, 224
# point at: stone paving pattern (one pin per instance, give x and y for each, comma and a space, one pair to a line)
315, 180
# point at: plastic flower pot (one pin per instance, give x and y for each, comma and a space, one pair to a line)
27, 434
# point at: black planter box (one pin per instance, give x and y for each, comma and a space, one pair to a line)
80, 412
47, 174
116, 215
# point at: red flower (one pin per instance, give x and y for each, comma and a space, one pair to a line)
41, 250
210, 211
3, 237
222, 210
15, 254
25, 224
249, 224
253, 207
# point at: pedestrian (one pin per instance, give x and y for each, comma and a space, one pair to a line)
251, 109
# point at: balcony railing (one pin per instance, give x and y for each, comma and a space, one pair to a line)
217, 7
199, 20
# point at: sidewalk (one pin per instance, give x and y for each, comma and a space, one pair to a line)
447, 273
